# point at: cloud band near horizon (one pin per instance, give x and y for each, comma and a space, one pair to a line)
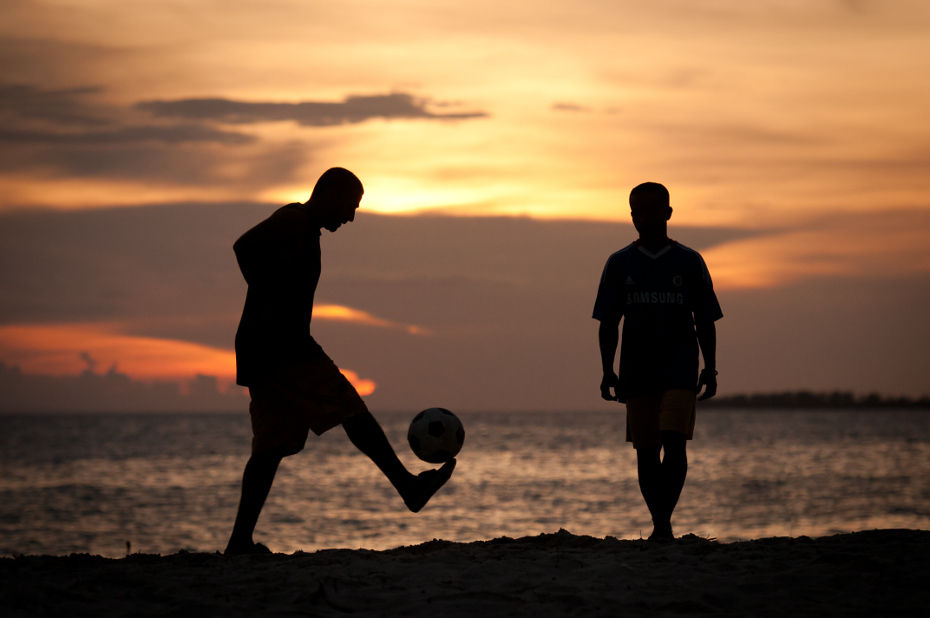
351, 110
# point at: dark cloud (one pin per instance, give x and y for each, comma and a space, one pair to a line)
71, 117
352, 110
829, 333
507, 301
137, 264
725, 134
173, 263
68, 133
177, 134
63, 106
190, 165
28, 57
569, 107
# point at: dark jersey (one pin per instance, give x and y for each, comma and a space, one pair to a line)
659, 296
281, 263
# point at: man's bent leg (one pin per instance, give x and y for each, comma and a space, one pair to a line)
256, 483
366, 434
368, 437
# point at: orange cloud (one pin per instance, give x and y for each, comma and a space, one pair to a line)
887, 244
57, 350
67, 349
340, 313
363, 386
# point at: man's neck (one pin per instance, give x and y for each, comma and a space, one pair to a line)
654, 244
313, 218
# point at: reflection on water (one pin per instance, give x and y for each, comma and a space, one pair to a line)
167, 482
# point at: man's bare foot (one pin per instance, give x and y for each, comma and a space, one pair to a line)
425, 484
662, 534
243, 549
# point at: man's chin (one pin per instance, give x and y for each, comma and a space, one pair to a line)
333, 228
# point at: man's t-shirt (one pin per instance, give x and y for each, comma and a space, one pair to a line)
660, 296
274, 330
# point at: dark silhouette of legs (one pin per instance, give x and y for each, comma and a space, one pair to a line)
661, 480
674, 469
366, 434
649, 466
256, 483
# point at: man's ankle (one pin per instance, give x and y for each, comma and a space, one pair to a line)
662, 527
239, 542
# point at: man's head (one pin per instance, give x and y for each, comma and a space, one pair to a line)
650, 209
335, 198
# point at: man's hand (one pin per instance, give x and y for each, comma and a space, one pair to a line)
708, 380
609, 381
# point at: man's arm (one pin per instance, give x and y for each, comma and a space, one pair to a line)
608, 336
707, 338
266, 252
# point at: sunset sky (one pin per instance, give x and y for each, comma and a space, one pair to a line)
793, 136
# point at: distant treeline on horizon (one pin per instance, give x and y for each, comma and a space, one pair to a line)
807, 399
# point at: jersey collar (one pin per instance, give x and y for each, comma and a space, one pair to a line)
657, 254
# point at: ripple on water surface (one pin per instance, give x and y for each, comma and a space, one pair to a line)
89, 483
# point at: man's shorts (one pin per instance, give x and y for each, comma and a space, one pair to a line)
294, 400
648, 416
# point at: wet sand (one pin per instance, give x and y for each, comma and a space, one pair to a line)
873, 573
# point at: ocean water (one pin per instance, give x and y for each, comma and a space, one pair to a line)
166, 482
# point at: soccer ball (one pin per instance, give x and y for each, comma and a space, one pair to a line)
436, 435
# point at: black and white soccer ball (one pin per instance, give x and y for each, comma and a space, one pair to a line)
436, 435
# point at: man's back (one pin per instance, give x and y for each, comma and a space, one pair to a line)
280, 260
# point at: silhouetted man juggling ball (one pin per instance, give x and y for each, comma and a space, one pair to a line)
663, 293
294, 386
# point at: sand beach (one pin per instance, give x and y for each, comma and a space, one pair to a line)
871, 573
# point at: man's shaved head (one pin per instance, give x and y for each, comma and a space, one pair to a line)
336, 181
653, 192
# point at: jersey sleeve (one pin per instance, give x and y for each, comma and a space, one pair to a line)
707, 308
610, 303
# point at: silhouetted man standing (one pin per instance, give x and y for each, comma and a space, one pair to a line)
294, 386
664, 294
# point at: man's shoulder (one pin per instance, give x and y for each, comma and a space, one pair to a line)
618, 256
687, 253
693, 259
291, 212
684, 248
290, 220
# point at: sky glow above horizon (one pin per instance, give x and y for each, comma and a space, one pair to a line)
802, 122
752, 114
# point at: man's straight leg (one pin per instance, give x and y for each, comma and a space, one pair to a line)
662, 471
674, 469
256, 483
649, 469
